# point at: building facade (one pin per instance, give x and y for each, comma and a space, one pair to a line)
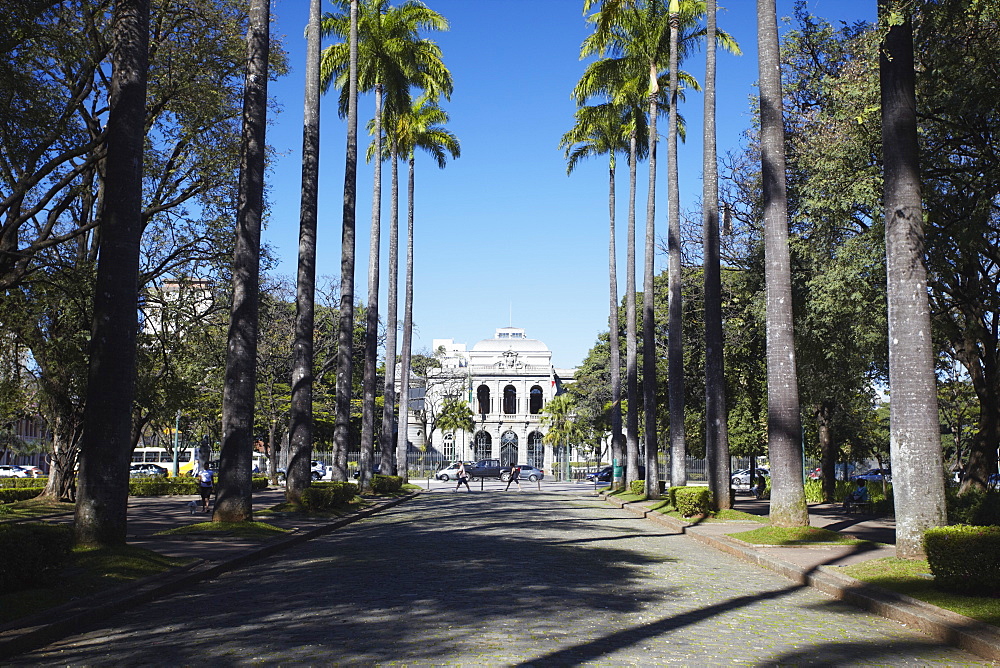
507, 381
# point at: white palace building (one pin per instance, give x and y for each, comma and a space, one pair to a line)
507, 381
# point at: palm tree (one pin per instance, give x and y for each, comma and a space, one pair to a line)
102, 488
675, 348
914, 440
562, 429
601, 130
455, 416
345, 332
392, 59
300, 432
422, 128
788, 503
233, 496
716, 435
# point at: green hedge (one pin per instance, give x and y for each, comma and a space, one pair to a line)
386, 484
327, 495
965, 559
12, 494
30, 551
176, 486
6, 483
690, 501
638, 487
975, 507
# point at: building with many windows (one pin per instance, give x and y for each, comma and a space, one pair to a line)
507, 381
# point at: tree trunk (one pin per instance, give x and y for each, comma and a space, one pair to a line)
716, 433
914, 431
345, 339
371, 321
300, 441
387, 440
617, 437
234, 491
102, 483
402, 469
675, 339
648, 310
828, 453
631, 344
788, 501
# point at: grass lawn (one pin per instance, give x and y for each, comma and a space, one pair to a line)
796, 536
913, 578
34, 508
260, 530
88, 572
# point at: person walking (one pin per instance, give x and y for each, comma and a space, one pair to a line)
515, 477
205, 487
463, 477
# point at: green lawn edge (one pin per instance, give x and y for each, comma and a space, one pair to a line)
913, 578
796, 537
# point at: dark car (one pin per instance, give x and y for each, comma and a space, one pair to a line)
876, 475
605, 474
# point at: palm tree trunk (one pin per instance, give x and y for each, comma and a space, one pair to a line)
631, 345
648, 310
914, 431
387, 440
102, 488
716, 433
233, 496
300, 440
371, 324
404, 351
345, 338
617, 437
675, 338
788, 502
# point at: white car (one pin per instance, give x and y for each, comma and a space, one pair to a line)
12, 471
742, 477
449, 472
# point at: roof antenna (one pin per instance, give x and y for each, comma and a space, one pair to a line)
510, 314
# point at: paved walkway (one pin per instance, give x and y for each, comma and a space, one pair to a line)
551, 577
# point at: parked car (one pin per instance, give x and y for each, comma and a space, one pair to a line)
376, 470
606, 473
12, 471
317, 469
742, 477
33, 471
449, 472
528, 472
876, 475
146, 471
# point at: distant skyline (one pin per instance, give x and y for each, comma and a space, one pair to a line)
502, 235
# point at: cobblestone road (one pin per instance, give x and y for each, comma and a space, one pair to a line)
547, 579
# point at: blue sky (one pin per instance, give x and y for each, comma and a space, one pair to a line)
502, 235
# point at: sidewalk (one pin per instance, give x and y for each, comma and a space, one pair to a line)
213, 556
818, 567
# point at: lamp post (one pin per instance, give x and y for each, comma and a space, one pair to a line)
177, 438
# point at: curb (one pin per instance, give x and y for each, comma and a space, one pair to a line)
949, 627
38, 630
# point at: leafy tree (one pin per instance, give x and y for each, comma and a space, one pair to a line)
102, 488
455, 415
562, 429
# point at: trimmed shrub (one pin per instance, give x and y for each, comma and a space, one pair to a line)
690, 501
638, 487
177, 486
975, 507
6, 483
965, 559
12, 494
328, 495
386, 484
30, 551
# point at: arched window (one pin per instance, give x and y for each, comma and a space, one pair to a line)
483, 446
483, 395
509, 400
508, 448
449, 447
535, 400
536, 450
